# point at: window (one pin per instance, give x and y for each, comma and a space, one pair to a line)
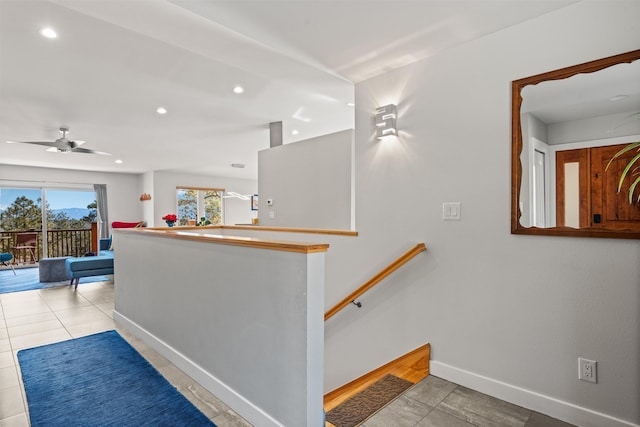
61, 218
197, 203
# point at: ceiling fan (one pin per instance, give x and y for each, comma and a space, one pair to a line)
63, 145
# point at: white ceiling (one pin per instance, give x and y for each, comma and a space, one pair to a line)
115, 61
610, 91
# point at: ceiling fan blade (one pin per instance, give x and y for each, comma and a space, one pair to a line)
44, 143
63, 145
88, 151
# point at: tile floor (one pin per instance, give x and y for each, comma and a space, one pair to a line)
33, 318
434, 402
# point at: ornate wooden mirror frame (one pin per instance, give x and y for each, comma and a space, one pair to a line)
516, 150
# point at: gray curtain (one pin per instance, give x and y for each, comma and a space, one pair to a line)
103, 216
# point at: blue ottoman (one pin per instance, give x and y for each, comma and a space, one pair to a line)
53, 269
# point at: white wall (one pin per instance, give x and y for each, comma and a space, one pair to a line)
338, 272
532, 127
236, 211
610, 126
506, 314
244, 322
310, 183
123, 192
147, 205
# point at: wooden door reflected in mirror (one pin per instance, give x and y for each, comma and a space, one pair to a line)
587, 190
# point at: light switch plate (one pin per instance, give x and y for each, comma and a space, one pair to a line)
451, 211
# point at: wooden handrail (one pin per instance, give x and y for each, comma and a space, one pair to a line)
402, 260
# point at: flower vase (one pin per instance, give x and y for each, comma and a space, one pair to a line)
170, 223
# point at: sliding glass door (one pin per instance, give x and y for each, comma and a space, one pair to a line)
69, 217
45, 222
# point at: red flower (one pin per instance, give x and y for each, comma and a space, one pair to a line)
170, 217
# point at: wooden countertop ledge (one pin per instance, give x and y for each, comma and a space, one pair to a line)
188, 233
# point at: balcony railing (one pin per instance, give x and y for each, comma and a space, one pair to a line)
60, 243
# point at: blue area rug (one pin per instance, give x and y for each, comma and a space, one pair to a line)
100, 380
27, 279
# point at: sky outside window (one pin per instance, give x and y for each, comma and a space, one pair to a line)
57, 199
9, 195
63, 199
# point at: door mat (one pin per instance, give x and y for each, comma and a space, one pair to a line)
358, 408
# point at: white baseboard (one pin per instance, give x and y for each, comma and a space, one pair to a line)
547, 405
230, 397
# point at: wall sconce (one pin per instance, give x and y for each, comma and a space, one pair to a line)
386, 121
144, 197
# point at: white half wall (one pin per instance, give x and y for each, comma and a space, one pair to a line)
245, 322
344, 273
310, 183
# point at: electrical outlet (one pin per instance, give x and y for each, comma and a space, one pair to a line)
587, 370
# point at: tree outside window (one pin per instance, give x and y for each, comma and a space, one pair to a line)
64, 212
197, 203
25, 211
23, 214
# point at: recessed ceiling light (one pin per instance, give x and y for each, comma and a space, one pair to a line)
238, 89
119, 162
161, 110
351, 104
237, 165
48, 32
618, 97
294, 132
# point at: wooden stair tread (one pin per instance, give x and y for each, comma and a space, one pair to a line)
413, 367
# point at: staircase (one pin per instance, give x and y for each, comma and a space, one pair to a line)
413, 367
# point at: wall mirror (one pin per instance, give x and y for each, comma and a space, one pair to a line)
567, 124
